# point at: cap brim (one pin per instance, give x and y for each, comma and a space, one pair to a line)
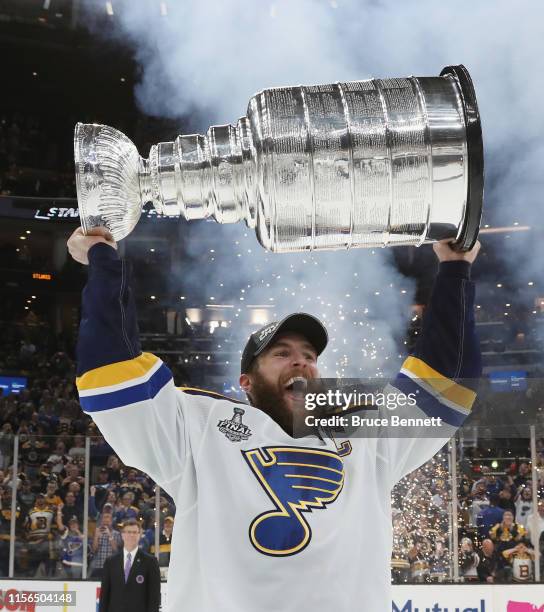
301, 323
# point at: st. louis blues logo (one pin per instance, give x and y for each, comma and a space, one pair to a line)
296, 480
233, 428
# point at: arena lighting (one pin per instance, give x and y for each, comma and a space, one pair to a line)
530, 283
22, 237
28, 231
503, 230
494, 464
33, 297
216, 306
152, 297
181, 297
109, 9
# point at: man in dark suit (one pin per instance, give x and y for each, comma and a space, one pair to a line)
131, 580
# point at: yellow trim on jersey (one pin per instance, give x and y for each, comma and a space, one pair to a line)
447, 388
211, 393
117, 373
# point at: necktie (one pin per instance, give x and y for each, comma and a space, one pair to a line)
127, 566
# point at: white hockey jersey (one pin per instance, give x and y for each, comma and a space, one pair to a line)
264, 521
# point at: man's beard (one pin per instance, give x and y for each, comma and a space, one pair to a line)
270, 398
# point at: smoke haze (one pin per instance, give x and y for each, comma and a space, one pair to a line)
207, 58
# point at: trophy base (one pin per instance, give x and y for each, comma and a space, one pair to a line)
475, 188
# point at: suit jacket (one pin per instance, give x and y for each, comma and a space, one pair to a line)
141, 592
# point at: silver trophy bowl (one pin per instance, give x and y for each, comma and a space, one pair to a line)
380, 162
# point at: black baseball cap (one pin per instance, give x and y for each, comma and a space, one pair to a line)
306, 324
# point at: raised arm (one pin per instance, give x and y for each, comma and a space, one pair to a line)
445, 365
129, 394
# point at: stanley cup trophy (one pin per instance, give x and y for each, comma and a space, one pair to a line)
360, 164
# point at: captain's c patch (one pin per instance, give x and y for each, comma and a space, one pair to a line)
297, 480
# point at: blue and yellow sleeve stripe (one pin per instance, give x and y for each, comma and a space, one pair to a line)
122, 383
436, 395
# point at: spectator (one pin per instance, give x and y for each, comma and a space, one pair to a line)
75, 488
101, 488
479, 502
51, 497
130, 484
72, 475
535, 524
520, 562
488, 566
59, 458
114, 469
71, 540
506, 535
106, 541
68, 510
489, 516
493, 484
439, 562
165, 541
468, 561
78, 449
505, 500
25, 496
125, 510
5, 527
524, 505
523, 475
32, 455
45, 475
39, 523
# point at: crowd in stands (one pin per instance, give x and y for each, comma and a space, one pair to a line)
494, 498
50, 482
497, 520
32, 162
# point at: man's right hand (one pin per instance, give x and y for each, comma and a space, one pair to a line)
80, 243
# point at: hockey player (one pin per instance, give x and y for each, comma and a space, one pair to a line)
266, 521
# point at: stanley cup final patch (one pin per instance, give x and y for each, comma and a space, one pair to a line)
233, 428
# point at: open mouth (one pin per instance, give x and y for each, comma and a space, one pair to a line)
296, 385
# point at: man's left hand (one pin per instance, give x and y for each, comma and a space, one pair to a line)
444, 252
